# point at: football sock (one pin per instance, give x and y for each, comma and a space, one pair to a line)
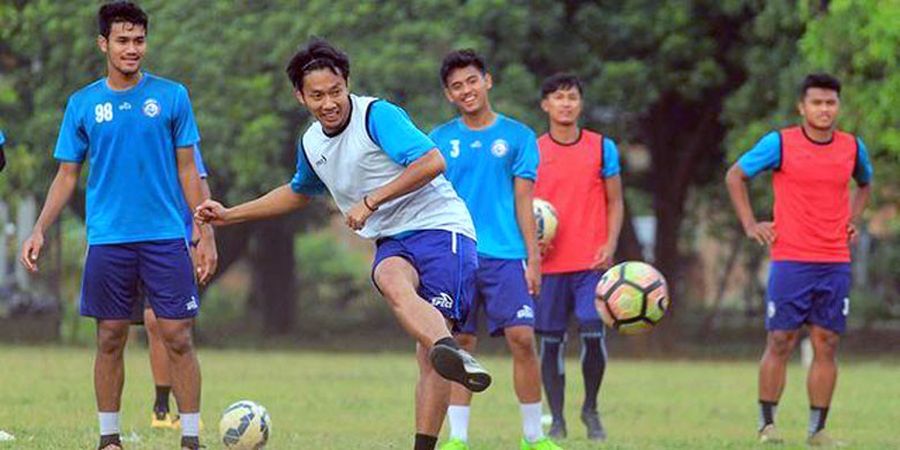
109, 423
448, 341
190, 424
531, 421
458, 416
553, 373
817, 418
162, 398
425, 442
767, 413
593, 365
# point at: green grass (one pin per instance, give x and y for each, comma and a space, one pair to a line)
354, 401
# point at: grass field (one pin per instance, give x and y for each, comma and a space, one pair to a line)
354, 401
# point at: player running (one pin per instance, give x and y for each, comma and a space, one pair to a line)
814, 216
579, 176
492, 162
385, 176
137, 131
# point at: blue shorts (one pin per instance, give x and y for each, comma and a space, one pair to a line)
446, 263
117, 276
563, 294
502, 292
814, 293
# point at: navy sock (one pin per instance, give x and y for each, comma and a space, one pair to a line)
553, 374
425, 442
593, 366
448, 341
162, 398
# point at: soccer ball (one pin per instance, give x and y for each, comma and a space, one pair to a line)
245, 425
546, 219
632, 297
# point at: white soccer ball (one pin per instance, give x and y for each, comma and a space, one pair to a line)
546, 220
245, 425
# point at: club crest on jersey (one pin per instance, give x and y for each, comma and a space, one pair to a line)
499, 148
151, 108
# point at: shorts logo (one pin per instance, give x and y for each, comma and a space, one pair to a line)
151, 108
192, 305
499, 148
770, 310
525, 312
442, 301
846, 309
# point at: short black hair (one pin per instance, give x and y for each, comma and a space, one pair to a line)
117, 12
559, 81
317, 54
820, 80
460, 59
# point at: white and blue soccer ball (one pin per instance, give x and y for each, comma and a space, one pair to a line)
245, 425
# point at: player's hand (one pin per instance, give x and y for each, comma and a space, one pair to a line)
533, 276
604, 257
206, 258
357, 216
212, 212
762, 232
544, 247
852, 233
31, 251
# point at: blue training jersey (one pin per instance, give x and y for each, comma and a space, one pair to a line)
2, 138
130, 139
482, 165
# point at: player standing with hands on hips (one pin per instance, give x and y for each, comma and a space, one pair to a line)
814, 216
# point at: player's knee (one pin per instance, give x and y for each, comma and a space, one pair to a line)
521, 344
825, 343
466, 341
111, 341
179, 343
780, 344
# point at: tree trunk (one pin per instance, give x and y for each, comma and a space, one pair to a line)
274, 286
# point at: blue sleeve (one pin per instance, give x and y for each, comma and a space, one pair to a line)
72, 143
526, 162
392, 130
765, 155
611, 165
305, 180
198, 161
2, 138
862, 171
185, 127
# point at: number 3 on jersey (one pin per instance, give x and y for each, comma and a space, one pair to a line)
103, 112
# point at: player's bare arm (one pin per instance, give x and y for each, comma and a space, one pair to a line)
615, 213
278, 201
60, 191
857, 206
524, 193
416, 175
736, 181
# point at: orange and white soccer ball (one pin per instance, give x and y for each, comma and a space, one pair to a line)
632, 297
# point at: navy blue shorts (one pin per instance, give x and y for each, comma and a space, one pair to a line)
446, 263
562, 295
502, 293
118, 276
813, 293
